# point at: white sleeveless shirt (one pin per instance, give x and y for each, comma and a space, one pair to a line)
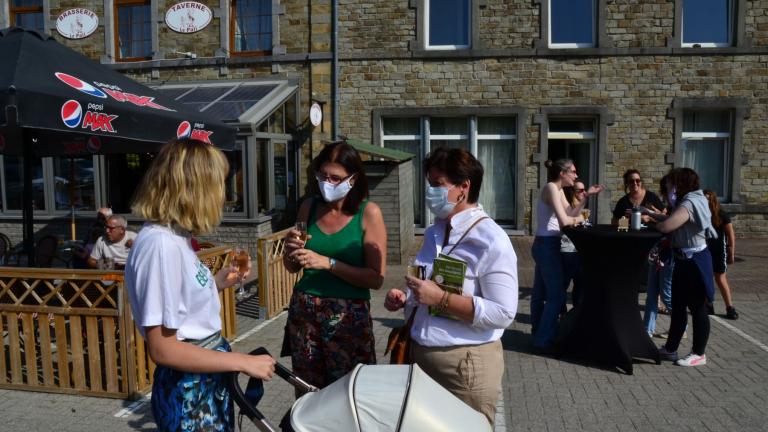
546, 220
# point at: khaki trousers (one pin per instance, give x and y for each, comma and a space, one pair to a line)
471, 372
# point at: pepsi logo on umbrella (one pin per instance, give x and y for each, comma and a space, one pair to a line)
78, 84
71, 113
93, 119
186, 130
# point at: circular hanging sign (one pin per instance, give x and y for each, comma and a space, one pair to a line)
77, 23
188, 17
315, 114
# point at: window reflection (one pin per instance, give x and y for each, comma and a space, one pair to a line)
572, 23
14, 183
235, 182
134, 30
73, 183
123, 174
252, 25
27, 14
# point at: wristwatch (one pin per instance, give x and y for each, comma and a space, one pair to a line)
332, 263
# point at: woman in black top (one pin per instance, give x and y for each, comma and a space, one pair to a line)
636, 196
722, 249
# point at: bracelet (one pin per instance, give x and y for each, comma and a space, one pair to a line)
444, 302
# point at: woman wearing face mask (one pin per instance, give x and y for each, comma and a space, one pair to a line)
329, 321
689, 226
462, 353
553, 211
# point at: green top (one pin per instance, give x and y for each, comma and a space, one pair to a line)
345, 246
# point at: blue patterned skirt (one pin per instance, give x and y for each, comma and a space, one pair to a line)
183, 401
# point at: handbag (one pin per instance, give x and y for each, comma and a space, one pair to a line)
399, 341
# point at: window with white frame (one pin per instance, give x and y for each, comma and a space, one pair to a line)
706, 146
492, 139
58, 184
575, 139
708, 23
448, 24
572, 23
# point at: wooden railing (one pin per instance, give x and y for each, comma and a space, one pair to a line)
275, 282
68, 331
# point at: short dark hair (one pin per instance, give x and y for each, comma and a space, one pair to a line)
684, 180
458, 165
345, 155
555, 168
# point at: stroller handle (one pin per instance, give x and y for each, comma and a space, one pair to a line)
249, 410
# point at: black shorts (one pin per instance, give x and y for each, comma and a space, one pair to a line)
717, 250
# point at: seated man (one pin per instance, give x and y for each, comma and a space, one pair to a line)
115, 243
80, 254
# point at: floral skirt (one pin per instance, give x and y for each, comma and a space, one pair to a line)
183, 401
329, 337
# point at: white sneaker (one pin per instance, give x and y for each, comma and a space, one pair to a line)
693, 360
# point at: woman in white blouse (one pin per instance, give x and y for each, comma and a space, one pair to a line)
463, 353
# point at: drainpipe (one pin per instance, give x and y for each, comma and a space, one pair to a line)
335, 69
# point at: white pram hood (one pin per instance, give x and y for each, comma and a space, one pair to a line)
385, 398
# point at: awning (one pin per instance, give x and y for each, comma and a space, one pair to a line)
380, 152
246, 102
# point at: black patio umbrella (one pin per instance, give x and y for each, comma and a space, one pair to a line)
56, 102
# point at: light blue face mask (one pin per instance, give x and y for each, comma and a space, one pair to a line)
672, 197
437, 201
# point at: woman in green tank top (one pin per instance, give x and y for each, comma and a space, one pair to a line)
343, 257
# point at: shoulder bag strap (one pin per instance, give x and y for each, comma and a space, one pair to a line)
467, 232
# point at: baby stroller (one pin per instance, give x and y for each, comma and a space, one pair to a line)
370, 398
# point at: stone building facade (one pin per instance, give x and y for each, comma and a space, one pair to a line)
640, 92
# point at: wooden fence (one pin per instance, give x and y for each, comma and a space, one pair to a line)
275, 282
68, 331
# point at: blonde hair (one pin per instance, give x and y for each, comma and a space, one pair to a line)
184, 187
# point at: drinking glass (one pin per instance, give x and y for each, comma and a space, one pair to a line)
301, 227
240, 258
586, 213
415, 270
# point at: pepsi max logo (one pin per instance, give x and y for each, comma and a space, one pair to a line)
113, 91
78, 84
71, 113
185, 130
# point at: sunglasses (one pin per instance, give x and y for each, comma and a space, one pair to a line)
637, 181
579, 190
332, 179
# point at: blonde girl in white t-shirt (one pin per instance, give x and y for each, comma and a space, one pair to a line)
174, 297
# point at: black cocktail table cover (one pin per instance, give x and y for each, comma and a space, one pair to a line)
607, 326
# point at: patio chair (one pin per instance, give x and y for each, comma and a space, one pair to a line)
45, 251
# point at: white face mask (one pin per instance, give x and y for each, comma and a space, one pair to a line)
437, 201
333, 192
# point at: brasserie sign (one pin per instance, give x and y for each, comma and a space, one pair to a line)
77, 23
188, 17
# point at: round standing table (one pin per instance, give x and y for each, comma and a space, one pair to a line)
607, 327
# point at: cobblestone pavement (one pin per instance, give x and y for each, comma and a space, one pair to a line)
540, 393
